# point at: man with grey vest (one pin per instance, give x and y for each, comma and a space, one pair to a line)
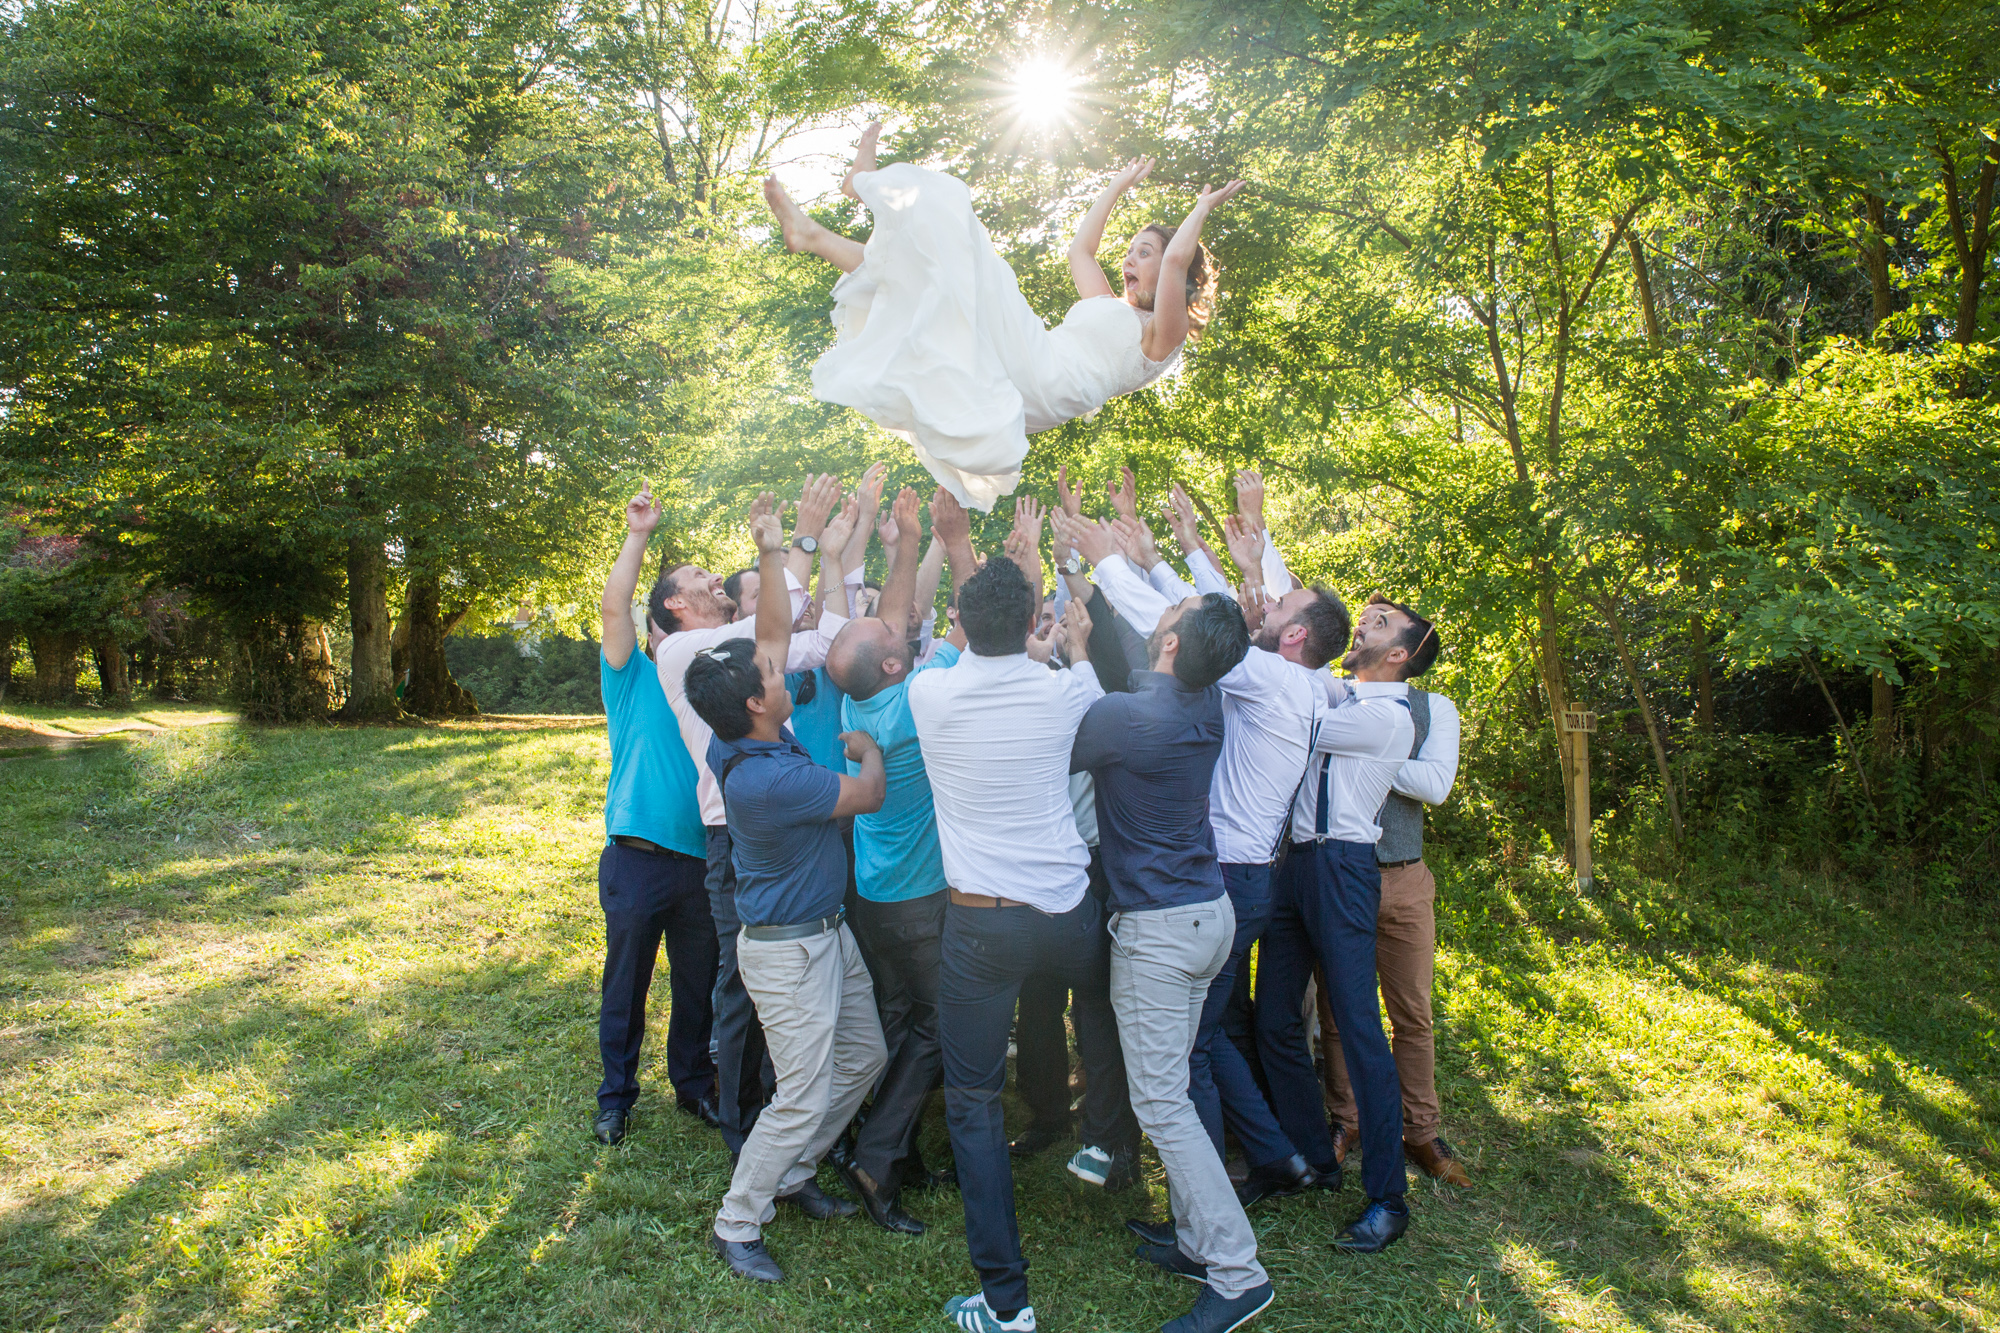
1406, 926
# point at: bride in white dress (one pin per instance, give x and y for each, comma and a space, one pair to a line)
938, 345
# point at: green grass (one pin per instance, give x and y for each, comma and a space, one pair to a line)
297, 1032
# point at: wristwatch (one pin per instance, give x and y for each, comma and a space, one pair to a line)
808, 543
1073, 565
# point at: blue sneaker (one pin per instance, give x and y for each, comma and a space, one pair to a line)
974, 1315
1091, 1164
1215, 1313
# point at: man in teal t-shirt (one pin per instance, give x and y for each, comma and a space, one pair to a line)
651, 873
899, 875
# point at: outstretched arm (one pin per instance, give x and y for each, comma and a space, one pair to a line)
899, 590
641, 517
1169, 327
1084, 270
951, 525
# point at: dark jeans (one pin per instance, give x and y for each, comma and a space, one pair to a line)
988, 952
744, 1079
1219, 1079
1323, 909
1041, 1062
647, 895
903, 941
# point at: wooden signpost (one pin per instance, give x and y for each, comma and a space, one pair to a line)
1580, 723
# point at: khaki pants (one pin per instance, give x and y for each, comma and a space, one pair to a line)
1405, 961
817, 1004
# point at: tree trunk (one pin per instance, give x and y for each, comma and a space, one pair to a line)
1550, 669
432, 691
1875, 258
371, 693
286, 675
1971, 224
114, 679
1648, 311
55, 666
1883, 728
1638, 684
1704, 676
1840, 720
8, 638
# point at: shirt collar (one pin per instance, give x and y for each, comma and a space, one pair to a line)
1161, 680
1380, 689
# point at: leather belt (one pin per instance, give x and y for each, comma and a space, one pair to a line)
642, 845
805, 930
1398, 865
982, 900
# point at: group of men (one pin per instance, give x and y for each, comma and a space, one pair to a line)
878, 858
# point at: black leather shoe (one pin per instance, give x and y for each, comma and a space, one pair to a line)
1037, 1139
817, 1204
1280, 1180
701, 1108
1329, 1178
916, 1175
1381, 1224
1124, 1172
882, 1209
1153, 1233
1170, 1258
747, 1258
611, 1125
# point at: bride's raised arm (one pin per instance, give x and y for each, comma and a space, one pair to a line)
1084, 270
1169, 326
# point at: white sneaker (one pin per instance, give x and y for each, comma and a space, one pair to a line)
1091, 1164
974, 1315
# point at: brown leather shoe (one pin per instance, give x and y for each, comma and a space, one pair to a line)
1436, 1160
1344, 1140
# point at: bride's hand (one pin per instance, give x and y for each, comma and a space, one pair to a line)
1213, 199
1135, 171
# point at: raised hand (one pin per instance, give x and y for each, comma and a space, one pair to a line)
949, 522
765, 503
1136, 538
1210, 200
1076, 630
816, 501
1071, 496
1124, 493
870, 490
904, 519
1246, 545
1135, 171
1180, 517
641, 514
1251, 598
1088, 537
765, 529
1250, 498
1028, 518
833, 537
1024, 543
889, 533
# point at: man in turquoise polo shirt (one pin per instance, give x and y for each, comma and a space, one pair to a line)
650, 876
899, 876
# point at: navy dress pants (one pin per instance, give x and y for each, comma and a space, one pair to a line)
648, 896
1323, 909
744, 1079
902, 941
987, 953
1219, 1079
1041, 1057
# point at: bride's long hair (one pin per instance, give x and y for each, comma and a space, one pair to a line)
1201, 276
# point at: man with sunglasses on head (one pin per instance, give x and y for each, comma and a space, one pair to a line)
795, 954
1406, 925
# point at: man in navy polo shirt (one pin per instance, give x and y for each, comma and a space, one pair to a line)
650, 874
797, 958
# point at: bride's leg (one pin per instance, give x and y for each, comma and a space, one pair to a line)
864, 158
802, 233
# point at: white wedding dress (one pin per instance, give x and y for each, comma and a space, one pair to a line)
938, 345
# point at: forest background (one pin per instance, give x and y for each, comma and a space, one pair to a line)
1648, 346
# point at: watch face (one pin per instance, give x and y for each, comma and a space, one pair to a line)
1072, 566
808, 544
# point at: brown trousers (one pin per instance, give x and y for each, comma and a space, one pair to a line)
1405, 961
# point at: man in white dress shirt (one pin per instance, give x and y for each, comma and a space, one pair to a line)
1270, 701
996, 731
1406, 928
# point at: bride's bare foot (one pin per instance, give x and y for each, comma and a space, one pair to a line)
864, 158
798, 229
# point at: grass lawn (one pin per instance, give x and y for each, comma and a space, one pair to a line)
297, 1032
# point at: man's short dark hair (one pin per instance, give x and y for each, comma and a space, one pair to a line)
997, 609
720, 683
1213, 638
1419, 638
656, 601
732, 587
1328, 628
